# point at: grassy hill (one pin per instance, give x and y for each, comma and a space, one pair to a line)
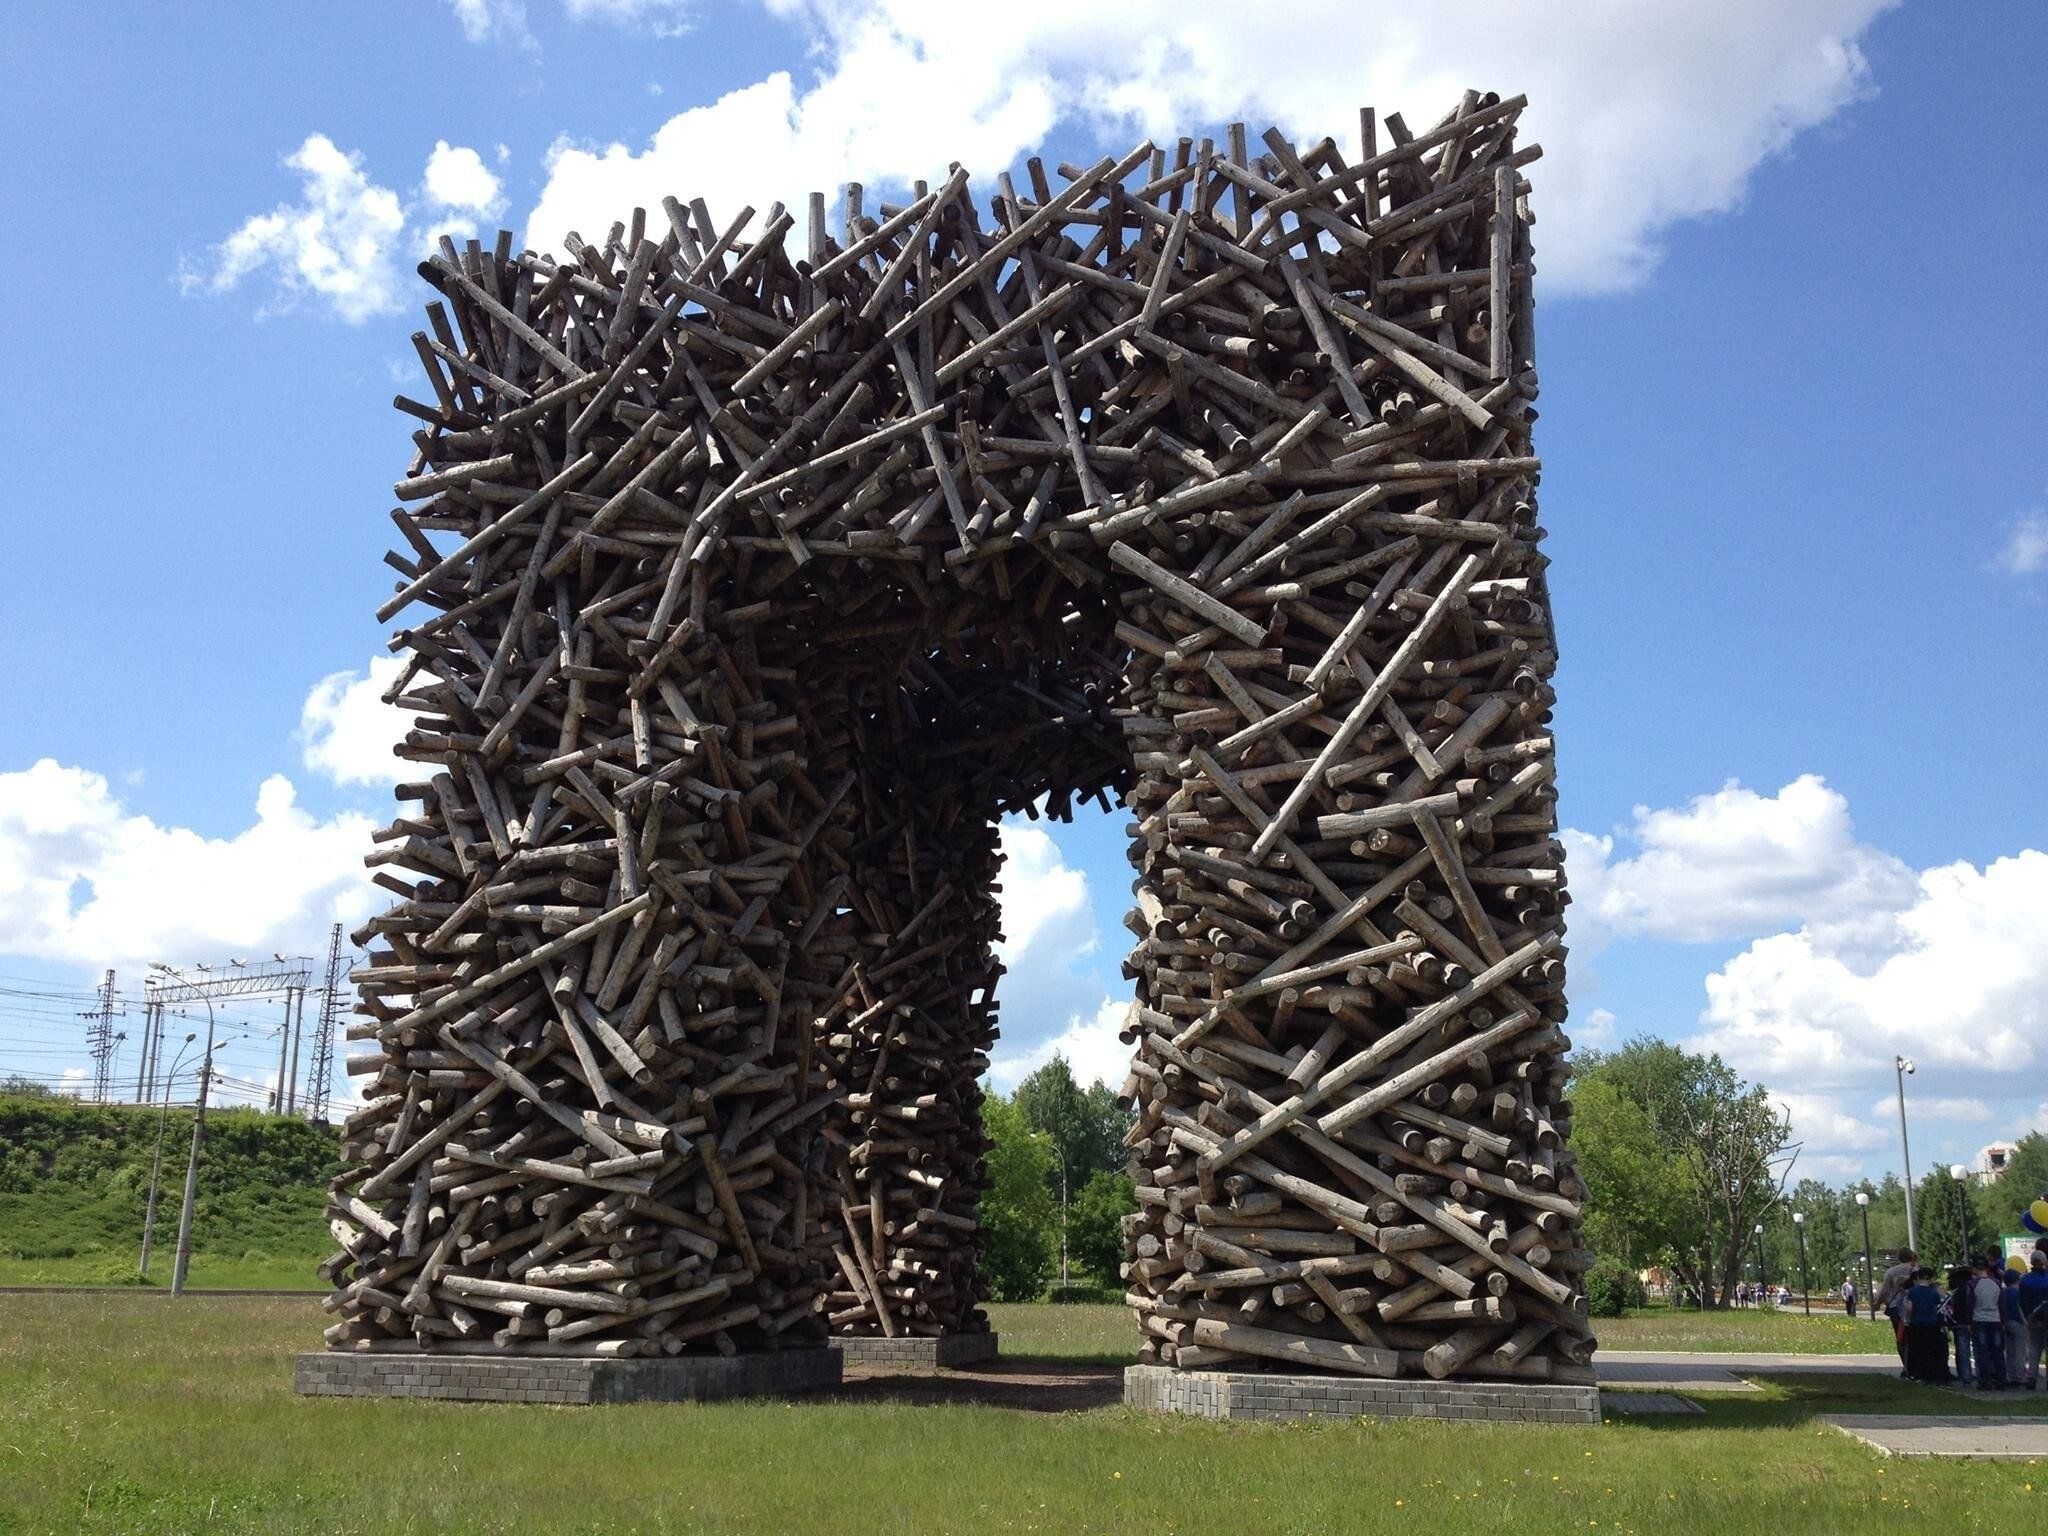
74, 1179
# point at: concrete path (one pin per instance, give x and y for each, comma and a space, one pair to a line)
1641, 1370
1976, 1437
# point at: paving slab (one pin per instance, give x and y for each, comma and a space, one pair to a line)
1647, 1402
1976, 1437
1647, 1370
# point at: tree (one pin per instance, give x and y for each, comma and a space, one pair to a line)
1727, 1138
25, 1088
1940, 1205
1636, 1198
1095, 1227
1085, 1128
1018, 1220
2005, 1199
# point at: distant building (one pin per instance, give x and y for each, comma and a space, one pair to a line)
1992, 1161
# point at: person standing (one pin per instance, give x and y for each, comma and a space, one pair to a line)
1891, 1292
1987, 1328
2034, 1313
2019, 1363
1921, 1306
1849, 1296
1960, 1302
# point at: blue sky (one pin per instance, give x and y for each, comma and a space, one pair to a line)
1791, 420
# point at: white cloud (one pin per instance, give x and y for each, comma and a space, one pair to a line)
346, 729
1963, 986
1968, 1111
456, 177
1648, 114
1090, 1045
486, 21
1735, 864
1596, 1032
662, 18
1819, 1123
1050, 999
85, 880
336, 243
460, 196
341, 242
1040, 890
2026, 546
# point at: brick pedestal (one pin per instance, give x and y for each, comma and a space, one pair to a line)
950, 1350
1260, 1395
540, 1379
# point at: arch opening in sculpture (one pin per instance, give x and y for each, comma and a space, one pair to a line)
748, 584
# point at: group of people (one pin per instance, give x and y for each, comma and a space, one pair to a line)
1753, 1295
1993, 1317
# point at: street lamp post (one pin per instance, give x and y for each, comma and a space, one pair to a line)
1961, 1175
1902, 1069
1869, 1289
1763, 1263
183, 1261
1805, 1280
156, 1160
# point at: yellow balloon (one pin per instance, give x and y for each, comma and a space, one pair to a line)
2039, 1211
2015, 1261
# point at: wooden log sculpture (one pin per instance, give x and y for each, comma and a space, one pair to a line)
751, 583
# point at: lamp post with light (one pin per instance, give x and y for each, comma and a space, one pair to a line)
1869, 1289
1763, 1264
1961, 1175
156, 1161
1902, 1068
1805, 1281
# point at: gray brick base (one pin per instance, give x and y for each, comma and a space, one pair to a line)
1258, 1395
553, 1379
917, 1354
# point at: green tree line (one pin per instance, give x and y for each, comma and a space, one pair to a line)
1684, 1162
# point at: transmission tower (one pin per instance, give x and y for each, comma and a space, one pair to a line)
331, 1010
100, 1039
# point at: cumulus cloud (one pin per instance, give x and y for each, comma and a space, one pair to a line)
1821, 1125
2026, 545
1649, 114
1735, 864
1962, 985
335, 243
340, 244
456, 177
1091, 1046
662, 18
86, 881
347, 731
1051, 999
494, 21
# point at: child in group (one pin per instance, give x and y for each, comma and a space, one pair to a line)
2034, 1313
2019, 1364
1923, 1308
1987, 1327
1958, 1320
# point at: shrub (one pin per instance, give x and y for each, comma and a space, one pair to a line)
1612, 1289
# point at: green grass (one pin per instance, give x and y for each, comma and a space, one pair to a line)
124, 1413
74, 1181
210, 1271
1745, 1330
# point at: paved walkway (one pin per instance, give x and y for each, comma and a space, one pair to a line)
1974, 1436
1655, 1370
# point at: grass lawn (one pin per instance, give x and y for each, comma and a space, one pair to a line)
126, 1413
222, 1271
1745, 1330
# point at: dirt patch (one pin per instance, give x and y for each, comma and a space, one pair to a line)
1035, 1386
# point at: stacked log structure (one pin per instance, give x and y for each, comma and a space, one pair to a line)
753, 566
